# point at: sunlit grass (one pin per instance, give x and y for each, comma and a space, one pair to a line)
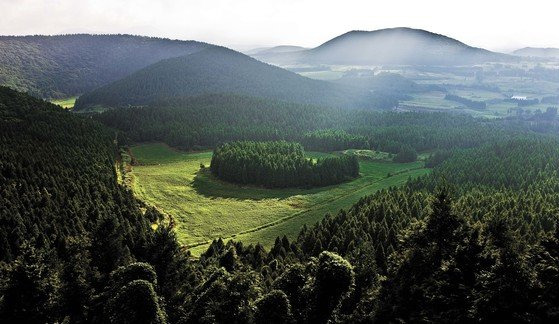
67, 103
205, 208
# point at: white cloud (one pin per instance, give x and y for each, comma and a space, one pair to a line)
484, 23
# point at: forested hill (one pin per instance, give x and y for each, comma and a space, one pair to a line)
398, 46
65, 223
221, 70
402, 46
68, 65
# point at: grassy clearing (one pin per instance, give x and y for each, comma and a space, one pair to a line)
370, 155
67, 103
430, 100
316, 213
205, 208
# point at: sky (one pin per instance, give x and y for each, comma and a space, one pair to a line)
244, 24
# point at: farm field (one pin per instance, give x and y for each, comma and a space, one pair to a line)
477, 94
498, 88
435, 101
430, 100
205, 208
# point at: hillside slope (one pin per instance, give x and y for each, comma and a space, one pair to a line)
57, 181
68, 65
221, 70
400, 46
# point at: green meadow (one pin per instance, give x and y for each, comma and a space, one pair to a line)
67, 103
204, 208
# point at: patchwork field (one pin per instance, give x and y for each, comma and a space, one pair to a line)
435, 101
430, 100
205, 208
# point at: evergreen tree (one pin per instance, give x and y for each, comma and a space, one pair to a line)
273, 308
136, 302
334, 281
31, 293
505, 291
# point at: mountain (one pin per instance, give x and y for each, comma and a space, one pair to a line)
537, 52
399, 46
68, 65
284, 53
282, 49
220, 70
274, 50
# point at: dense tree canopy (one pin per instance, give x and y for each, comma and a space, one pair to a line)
65, 223
476, 240
221, 70
328, 140
208, 120
406, 154
279, 164
68, 65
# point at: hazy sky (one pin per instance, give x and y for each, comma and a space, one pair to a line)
497, 25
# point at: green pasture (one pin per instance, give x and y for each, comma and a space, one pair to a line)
205, 208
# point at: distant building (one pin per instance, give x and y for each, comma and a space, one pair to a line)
519, 98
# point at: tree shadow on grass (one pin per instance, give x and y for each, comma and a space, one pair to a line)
209, 186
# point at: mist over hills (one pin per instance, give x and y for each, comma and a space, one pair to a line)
400, 46
277, 53
68, 65
276, 50
221, 70
538, 52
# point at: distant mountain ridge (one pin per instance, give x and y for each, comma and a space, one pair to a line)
68, 65
220, 70
398, 46
548, 52
280, 49
277, 53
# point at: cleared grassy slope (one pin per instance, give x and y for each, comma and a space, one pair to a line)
66, 103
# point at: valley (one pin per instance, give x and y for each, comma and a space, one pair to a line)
492, 83
394, 175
